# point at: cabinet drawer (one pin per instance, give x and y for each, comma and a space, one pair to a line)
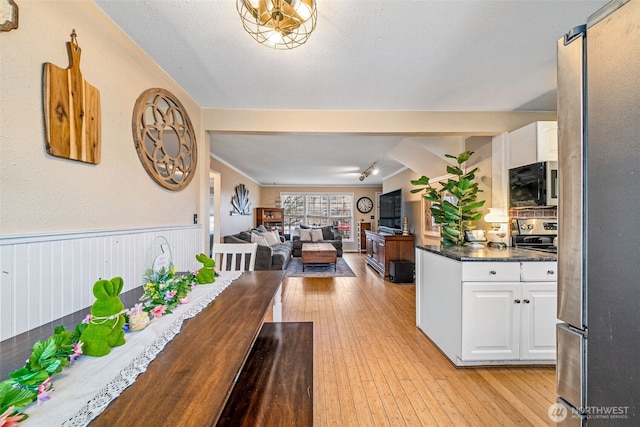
490, 271
539, 271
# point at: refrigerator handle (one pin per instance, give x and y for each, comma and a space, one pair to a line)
578, 31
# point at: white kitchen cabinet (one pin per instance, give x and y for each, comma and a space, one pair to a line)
536, 142
508, 321
491, 271
487, 313
538, 329
539, 272
490, 321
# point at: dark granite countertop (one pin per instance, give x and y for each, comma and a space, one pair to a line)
509, 254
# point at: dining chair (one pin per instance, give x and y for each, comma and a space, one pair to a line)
235, 256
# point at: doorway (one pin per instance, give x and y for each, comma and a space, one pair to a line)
214, 206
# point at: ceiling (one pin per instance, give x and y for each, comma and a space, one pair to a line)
377, 55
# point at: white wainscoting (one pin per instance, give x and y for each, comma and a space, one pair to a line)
47, 276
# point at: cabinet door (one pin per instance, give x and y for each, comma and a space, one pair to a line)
369, 244
547, 142
536, 142
491, 321
538, 337
522, 146
381, 252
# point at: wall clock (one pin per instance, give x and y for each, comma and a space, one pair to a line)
364, 205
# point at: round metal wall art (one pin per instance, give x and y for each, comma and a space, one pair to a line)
164, 138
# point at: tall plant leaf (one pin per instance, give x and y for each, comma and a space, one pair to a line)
454, 218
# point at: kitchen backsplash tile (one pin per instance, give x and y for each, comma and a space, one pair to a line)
534, 213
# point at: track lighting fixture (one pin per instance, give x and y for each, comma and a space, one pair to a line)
371, 170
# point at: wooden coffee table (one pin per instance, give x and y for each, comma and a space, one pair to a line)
319, 253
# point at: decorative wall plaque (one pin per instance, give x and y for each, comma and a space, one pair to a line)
164, 138
71, 110
241, 202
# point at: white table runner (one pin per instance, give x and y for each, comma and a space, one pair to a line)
84, 389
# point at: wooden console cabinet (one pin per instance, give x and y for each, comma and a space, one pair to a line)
383, 248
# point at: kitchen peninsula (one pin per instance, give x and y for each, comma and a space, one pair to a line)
484, 306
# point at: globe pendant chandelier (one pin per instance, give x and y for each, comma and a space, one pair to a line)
280, 24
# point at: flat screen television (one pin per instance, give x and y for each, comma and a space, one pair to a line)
391, 210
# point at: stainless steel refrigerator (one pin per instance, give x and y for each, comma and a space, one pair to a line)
598, 351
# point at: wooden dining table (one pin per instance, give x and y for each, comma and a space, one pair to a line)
190, 381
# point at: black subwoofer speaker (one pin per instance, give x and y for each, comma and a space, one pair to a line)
401, 271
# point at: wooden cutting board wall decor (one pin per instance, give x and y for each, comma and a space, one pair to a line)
71, 110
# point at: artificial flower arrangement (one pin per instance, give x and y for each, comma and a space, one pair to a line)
164, 290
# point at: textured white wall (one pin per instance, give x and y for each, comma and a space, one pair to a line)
41, 193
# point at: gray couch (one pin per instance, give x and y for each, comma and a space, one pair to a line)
274, 257
329, 235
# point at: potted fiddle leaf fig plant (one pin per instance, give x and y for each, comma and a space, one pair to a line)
455, 205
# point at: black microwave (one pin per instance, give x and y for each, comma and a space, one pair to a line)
534, 185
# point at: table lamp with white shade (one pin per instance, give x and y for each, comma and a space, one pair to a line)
498, 233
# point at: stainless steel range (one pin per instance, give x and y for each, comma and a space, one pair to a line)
535, 233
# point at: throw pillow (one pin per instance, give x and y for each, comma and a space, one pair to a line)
260, 240
327, 232
245, 235
316, 235
271, 238
305, 235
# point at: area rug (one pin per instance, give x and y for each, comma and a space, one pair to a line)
294, 269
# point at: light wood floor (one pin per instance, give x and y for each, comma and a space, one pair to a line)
374, 367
